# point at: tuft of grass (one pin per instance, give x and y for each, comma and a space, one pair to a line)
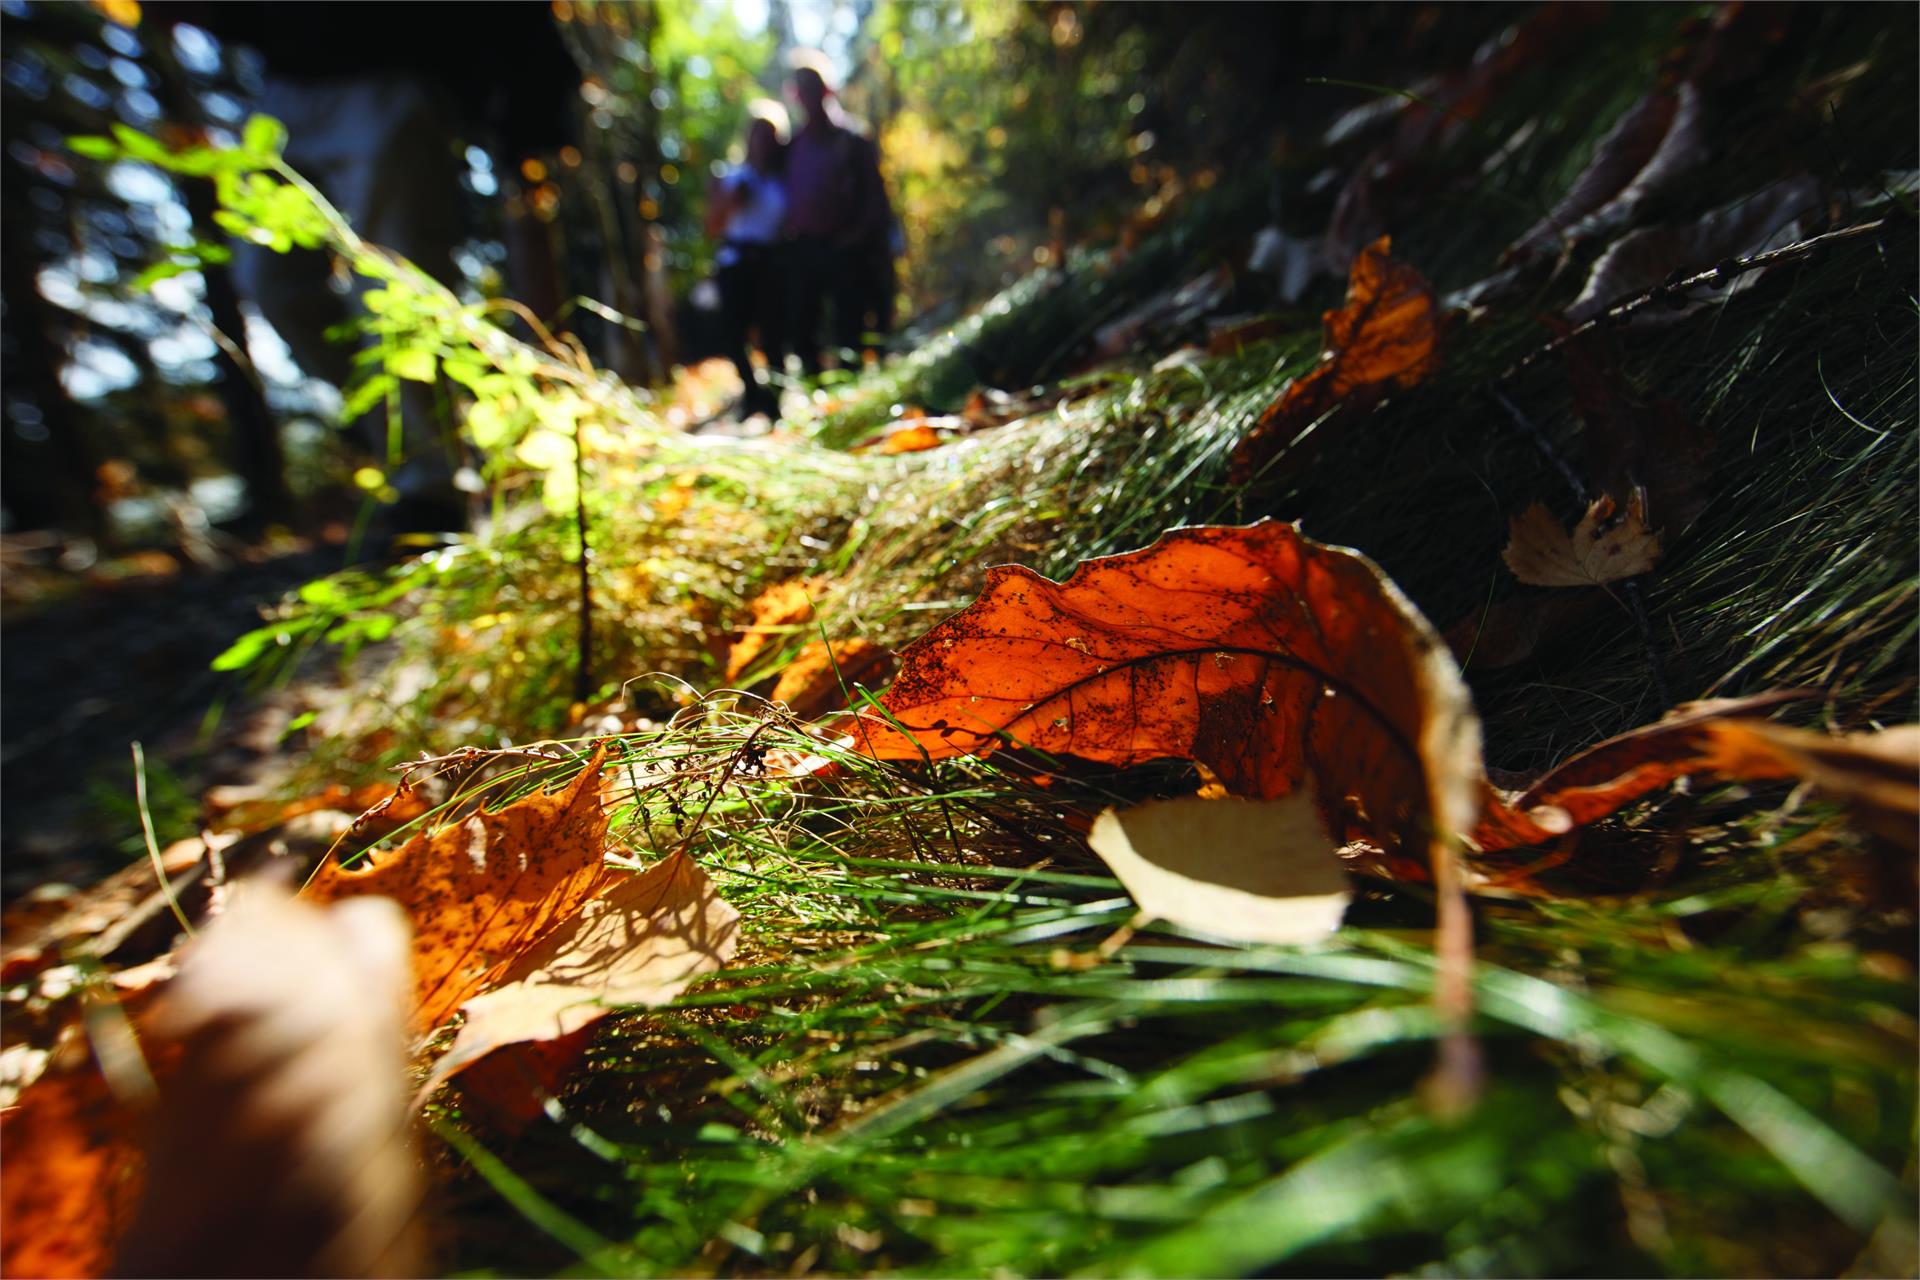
929, 1064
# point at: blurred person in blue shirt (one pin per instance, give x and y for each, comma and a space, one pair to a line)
747, 213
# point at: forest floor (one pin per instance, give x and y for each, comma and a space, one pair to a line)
85, 676
950, 1043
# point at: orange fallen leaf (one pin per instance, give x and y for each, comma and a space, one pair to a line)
640, 942
1875, 774
1610, 775
481, 891
71, 1178
812, 682
1279, 663
776, 612
1600, 549
912, 437
1385, 337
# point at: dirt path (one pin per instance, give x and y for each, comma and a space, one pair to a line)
83, 679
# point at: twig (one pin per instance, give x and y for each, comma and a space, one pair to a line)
1540, 442
1713, 277
470, 755
742, 752
525, 313
583, 672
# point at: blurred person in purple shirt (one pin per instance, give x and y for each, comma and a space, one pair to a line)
838, 217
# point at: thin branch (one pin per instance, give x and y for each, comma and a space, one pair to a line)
1713, 277
583, 671
1540, 442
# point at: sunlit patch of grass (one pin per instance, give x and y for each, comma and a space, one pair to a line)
926, 1062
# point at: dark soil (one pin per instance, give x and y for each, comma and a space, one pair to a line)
84, 678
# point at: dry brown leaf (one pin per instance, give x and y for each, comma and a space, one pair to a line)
1279, 663
483, 890
1165, 315
1385, 337
640, 942
275, 1144
1511, 631
812, 682
1634, 444
1262, 871
1625, 150
988, 407
1683, 148
1766, 220
1601, 548
1433, 120
39, 929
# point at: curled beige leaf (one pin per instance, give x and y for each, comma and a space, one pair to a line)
1248, 870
